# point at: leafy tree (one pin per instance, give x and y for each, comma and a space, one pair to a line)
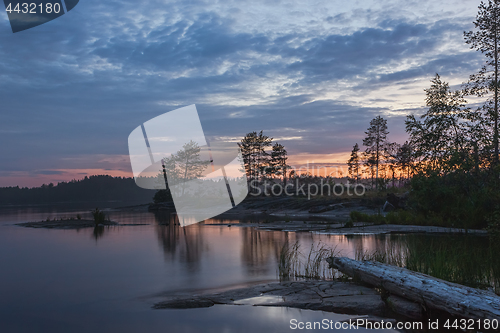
441, 134
183, 166
376, 138
353, 163
485, 83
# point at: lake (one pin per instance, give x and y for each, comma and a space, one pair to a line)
106, 280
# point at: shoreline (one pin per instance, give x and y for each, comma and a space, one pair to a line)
359, 228
71, 224
318, 295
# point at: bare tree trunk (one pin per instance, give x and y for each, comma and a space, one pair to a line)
428, 291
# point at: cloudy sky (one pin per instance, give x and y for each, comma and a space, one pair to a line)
309, 73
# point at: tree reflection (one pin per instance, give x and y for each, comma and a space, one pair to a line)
185, 244
98, 232
260, 250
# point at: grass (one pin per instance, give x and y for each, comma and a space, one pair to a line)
369, 218
289, 261
293, 264
402, 217
468, 260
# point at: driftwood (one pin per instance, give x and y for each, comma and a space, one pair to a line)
431, 293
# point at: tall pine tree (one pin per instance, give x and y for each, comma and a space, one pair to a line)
353, 163
255, 157
278, 161
376, 138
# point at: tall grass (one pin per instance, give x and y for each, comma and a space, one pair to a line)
468, 260
289, 261
293, 263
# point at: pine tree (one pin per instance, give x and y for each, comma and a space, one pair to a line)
485, 82
376, 138
255, 157
390, 159
353, 163
404, 159
278, 161
369, 162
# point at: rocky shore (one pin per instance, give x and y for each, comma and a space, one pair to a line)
329, 296
71, 224
358, 228
331, 208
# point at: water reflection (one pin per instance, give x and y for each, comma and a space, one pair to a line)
185, 243
260, 248
98, 232
54, 274
465, 259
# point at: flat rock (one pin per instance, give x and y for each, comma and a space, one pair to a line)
357, 304
401, 229
332, 296
185, 304
405, 307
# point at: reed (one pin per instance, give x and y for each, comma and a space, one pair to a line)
468, 260
293, 264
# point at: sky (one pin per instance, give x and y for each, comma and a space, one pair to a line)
310, 74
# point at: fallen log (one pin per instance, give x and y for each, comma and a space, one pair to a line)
430, 292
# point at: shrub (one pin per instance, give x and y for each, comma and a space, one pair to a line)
162, 196
99, 216
368, 218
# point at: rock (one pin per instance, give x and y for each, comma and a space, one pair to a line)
367, 320
399, 202
185, 304
65, 224
345, 289
405, 307
358, 304
339, 297
325, 208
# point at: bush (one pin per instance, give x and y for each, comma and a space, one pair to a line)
99, 216
457, 199
494, 224
162, 196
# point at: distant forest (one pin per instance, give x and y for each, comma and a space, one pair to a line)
94, 188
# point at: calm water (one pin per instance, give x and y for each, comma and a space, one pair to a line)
106, 281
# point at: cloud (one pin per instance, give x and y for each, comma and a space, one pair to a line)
74, 88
